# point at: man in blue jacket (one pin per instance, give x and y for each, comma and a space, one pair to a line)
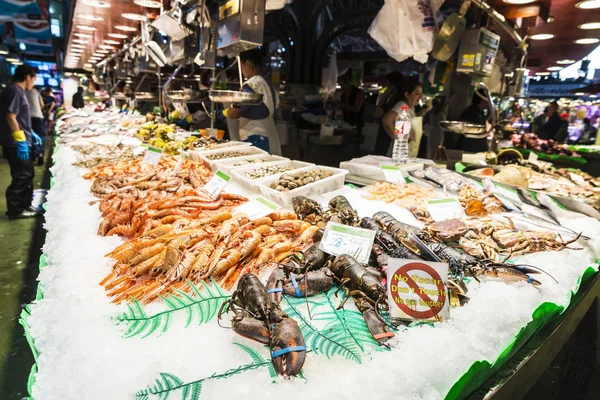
16, 139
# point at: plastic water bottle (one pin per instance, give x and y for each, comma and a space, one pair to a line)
401, 133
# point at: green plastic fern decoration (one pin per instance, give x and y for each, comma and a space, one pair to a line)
327, 342
167, 384
202, 305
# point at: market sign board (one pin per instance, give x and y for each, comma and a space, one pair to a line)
417, 290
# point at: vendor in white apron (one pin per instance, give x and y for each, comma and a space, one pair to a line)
256, 122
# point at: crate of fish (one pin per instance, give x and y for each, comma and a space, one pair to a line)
309, 181
249, 176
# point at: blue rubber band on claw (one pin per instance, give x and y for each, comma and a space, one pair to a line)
530, 280
276, 290
281, 352
295, 284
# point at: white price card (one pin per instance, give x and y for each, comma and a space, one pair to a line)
153, 155
257, 208
482, 162
140, 149
216, 184
393, 174
341, 239
578, 179
443, 209
177, 167
532, 157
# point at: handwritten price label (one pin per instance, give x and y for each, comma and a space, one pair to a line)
258, 207
341, 239
393, 174
153, 155
443, 209
215, 186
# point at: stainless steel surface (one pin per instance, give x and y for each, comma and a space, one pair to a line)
463, 128
240, 26
231, 96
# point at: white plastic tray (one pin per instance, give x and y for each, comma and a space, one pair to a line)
328, 184
227, 145
246, 149
228, 164
251, 184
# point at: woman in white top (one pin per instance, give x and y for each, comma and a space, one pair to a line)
412, 95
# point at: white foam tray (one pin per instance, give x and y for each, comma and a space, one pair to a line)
251, 184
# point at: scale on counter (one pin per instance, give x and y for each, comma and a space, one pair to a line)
240, 25
477, 52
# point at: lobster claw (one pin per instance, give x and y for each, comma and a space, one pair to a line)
245, 325
311, 283
379, 329
288, 350
275, 285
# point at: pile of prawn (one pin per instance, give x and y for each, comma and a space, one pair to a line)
402, 195
222, 247
138, 197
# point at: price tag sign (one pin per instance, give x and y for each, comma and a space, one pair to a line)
393, 174
578, 179
177, 167
140, 149
443, 209
417, 290
216, 184
341, 239
153, 155
482, 162
257, 208
532, 157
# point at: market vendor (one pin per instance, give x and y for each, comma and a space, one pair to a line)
552, 125
412, 92
256, 122
77, 101
17, 139
474, 114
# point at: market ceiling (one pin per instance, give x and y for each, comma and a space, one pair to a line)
566, 17
99, 27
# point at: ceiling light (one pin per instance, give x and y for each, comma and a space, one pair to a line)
518, 1
150, 3
579, 94
104, 46
118, 35
112, 42
542, 36
91, 17
96, 3
78, 46
20, 63
86, 65
86, 27
587, 41
3, 50
542, 73
554, 68
102, 51
22, 46
83, 35
126, 28
593, 96
590, 25
550, 19
76, 50
588, 4
134, 17
80, 41
566, 61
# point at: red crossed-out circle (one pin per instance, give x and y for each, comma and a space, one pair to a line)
417, 266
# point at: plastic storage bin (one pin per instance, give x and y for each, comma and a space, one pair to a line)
231, 164
328, 184
251, 184
214, 163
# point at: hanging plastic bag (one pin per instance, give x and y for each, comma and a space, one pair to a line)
329, 77
406, 28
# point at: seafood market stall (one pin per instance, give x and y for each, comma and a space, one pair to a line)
206, 269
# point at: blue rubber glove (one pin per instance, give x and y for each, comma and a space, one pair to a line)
22, 151
36, 139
